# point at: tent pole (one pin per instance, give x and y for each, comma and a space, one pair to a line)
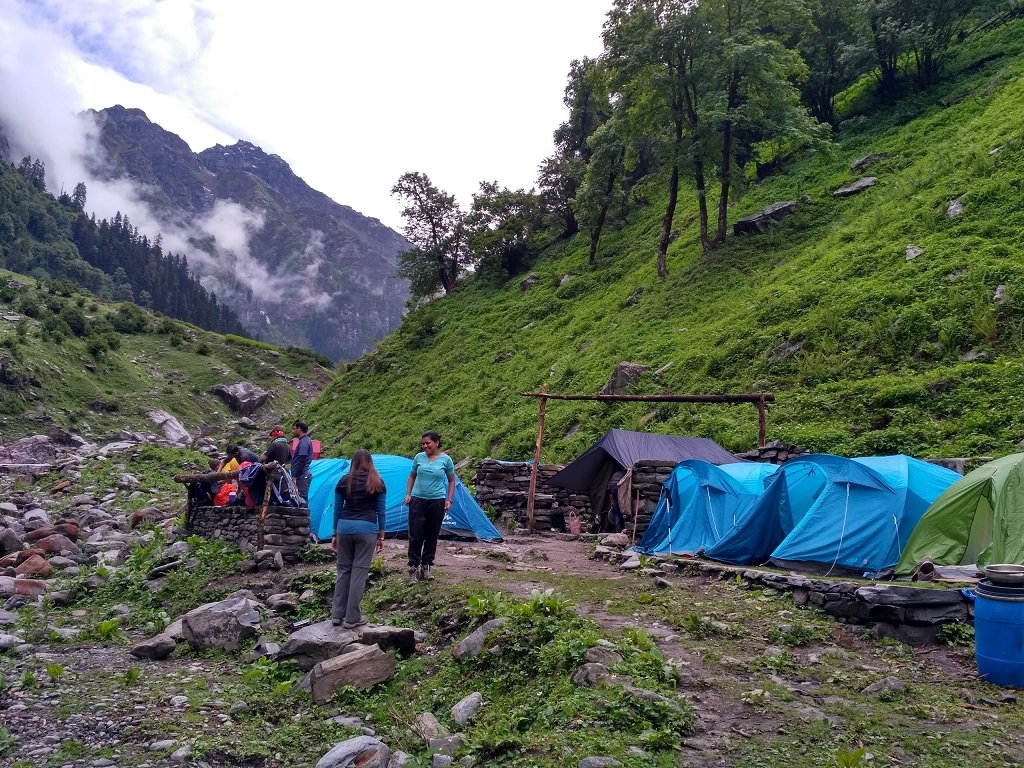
536, 459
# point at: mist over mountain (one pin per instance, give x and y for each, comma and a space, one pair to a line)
296, 267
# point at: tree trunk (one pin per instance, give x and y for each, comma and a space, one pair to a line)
725, 171
666, 223
702, 201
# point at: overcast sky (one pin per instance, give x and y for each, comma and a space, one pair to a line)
350, 94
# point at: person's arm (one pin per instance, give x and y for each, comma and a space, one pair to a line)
339, 505
451, 491
381, 519
409, 482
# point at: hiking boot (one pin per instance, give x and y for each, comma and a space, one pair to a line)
413, 578
425, 574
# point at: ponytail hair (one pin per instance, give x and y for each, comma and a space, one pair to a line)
362, 462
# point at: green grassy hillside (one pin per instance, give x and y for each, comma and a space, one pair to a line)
94, 368
920, 356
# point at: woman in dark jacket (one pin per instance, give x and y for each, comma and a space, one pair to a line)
359, 515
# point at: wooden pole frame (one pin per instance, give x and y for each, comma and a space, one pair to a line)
534, 468
760, 399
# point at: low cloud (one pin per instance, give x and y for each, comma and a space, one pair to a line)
41, 116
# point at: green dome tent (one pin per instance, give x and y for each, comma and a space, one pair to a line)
979, 520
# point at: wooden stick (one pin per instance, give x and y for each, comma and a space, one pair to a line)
263, 509
536, 461
206, 477
762, 419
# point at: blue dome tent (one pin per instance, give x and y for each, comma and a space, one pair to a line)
464, 519
824, 512
700, 503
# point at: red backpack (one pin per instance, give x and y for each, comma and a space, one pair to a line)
316, 447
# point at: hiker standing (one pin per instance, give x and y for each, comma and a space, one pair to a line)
301, 459
359, 518
278, 450
428, 493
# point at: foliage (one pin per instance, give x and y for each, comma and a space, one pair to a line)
956, 633
132, 675
832, 281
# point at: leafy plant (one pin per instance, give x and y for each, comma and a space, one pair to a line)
28, 681
132, 675
850, 758
956, 633
546, 602
486, 606
55, 672
109, 629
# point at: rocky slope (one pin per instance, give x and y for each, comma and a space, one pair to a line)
297, 267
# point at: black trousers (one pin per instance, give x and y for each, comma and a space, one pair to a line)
425, 518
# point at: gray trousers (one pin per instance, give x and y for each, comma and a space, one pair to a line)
355, 554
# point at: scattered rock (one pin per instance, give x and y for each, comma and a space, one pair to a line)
867, 161
955, 208
172, 428
243, 397
624, 376
472, 645
223, 625
427, 727
599, 762
529, 281
891, 684
463, 712
321, 641
857, 187
359, 752
157, 648
761, 221
912, 252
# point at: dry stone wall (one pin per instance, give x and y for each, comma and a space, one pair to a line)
504, 485
285, 529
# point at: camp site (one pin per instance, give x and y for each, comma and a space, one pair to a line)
576, 384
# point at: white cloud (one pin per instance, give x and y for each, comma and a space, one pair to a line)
350, 95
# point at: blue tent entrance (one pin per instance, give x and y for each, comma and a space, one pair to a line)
824, 512
700, 503
465, 519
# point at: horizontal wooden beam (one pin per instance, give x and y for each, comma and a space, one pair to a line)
748, 397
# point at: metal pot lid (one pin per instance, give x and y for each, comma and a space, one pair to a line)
1008, 574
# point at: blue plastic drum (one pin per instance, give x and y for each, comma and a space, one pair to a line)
999, 633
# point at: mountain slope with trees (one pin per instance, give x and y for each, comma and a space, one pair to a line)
53, 238
889, 321
311, 273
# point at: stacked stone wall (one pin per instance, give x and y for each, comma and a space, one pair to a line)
505, 485
285, 529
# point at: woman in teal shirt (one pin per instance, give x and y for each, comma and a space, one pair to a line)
428, 493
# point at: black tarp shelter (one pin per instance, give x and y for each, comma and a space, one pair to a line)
621, 449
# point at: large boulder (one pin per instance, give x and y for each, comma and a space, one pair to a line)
361, 666
222, 625
759, 222
29, 587
625, 375
172, 428
37, 449
243, 397
321, 641
360, 752
157, 647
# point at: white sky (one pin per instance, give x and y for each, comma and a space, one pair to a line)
350, 94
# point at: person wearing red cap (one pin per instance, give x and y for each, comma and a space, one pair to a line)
278, 450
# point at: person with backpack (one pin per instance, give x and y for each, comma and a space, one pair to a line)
428, 494
302, 457
278, 449
359, 522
